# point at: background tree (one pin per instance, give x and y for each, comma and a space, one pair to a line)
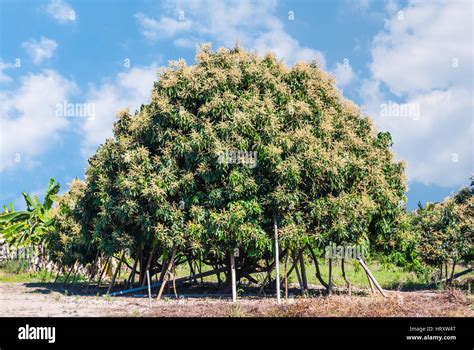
29, 228
445, 231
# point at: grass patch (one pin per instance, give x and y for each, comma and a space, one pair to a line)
26, 277
389, 276
19, 271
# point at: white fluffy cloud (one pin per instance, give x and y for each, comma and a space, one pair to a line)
4, 78
61, 11
420, 51
163, 28
424, 59
28, 116
40, 50
128, 90
344, 74
253, 24
285, 46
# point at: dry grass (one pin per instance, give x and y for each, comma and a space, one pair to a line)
397, 304
39, 300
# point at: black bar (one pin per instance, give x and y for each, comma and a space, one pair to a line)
360, 332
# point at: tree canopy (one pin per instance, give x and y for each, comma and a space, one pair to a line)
225, 146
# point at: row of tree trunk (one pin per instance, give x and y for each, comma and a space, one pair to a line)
146, 266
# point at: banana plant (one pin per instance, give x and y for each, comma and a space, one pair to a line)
29, 227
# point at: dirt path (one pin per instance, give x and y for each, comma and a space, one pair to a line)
18, 299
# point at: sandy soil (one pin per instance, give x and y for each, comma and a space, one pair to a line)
23, 299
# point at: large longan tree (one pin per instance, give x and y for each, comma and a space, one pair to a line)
159, 186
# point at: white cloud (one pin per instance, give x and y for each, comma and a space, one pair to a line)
359, 4
253, 24
61, 11
4, 78
40, 50
128, 90
285, 46
425, 60
417, 53
344, 74
188, 42
28, 116
163, 28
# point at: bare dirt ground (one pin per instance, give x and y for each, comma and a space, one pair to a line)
46, 300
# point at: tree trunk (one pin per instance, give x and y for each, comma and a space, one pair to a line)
103, 271
348, 283
166, 272
143, 263
147, 268
59, 271
452, 272
191, 269
277, 261
298, 275
75, 273
131, 279
174, 281
329, 288
116, 272
67, 277
316, 266
293, 266
304, 279
446, 272
199, 266
219, 279
268, 277
93, 271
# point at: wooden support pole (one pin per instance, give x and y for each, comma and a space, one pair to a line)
330, 276
286, 278
233, 277
364, 266
371, 284
149, 288
277, 261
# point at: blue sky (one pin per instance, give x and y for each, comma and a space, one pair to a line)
408, 64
